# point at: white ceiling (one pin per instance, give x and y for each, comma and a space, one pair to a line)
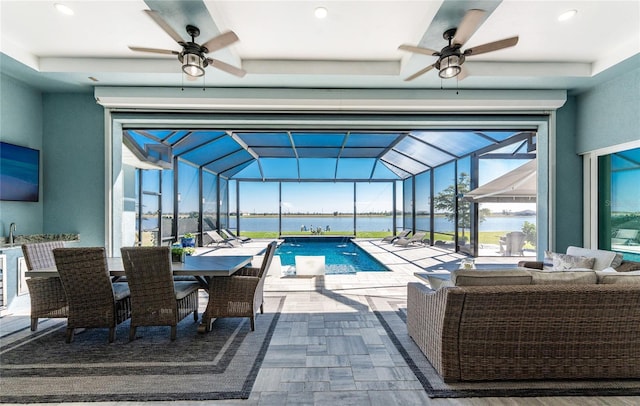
283, 45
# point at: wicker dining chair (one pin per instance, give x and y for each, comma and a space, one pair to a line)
47, 296
94, 301
156, 299
238, 295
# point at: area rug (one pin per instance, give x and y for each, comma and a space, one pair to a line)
392, 315
223, 364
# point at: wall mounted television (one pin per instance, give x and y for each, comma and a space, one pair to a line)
19, 173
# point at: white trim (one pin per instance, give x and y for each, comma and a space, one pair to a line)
338, 100
108, 158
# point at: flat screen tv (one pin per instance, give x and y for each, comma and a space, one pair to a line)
19, 173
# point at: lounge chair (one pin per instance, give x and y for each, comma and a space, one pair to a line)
392, 238
512, 243
221, 241
231, 236
415, 239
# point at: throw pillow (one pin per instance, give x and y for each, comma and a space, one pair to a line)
563, 262
628, 266
547, 262
617, 260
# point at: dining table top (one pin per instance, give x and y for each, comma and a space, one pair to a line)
198, 265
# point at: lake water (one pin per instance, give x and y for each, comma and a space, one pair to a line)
289, 224
249, 223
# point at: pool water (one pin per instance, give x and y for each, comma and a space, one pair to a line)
342, 256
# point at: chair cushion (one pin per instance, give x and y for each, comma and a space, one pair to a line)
465, 277
603, 259
555, 261
121, 290
564, 278
184, 289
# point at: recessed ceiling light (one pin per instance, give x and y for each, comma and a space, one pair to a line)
567, 15
321, 12
64, 9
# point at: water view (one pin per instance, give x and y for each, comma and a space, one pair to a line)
370, 223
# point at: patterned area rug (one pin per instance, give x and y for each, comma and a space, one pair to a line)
222, 364
392, 316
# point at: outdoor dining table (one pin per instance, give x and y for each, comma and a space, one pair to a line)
203, 268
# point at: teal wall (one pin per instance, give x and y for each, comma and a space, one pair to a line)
74, 180
568, 181
21, 124
609, 114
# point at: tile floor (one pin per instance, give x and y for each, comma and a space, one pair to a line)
329, 349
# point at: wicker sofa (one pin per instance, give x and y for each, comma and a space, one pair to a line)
528, 324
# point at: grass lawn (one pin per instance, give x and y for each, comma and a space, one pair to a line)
485, 237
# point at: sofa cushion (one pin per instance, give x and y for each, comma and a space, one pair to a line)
465, 277
603, 259
563, 262
564, 278
619, 278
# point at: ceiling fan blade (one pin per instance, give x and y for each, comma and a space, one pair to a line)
163, 24
491, 46
468, 26
464, 72
220, 41
420, 72
154, 50
223, 66
419, 50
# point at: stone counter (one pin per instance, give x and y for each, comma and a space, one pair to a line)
32, 238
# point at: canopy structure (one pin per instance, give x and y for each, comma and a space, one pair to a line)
516, 186
337, 155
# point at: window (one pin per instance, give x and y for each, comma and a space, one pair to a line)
619, 203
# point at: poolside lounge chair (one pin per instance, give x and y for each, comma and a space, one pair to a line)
392, 238
221, 241
415, 239
231, 236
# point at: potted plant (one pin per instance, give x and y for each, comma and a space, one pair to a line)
188, 251
188, 240
177, 253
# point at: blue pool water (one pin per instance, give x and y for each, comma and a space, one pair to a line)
342, 256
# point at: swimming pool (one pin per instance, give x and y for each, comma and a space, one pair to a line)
342, 256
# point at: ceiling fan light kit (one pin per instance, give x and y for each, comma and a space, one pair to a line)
193, 65
449, 67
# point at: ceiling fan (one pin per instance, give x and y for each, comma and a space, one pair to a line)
451, 57
192, 56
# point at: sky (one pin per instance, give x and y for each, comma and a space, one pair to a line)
327, 197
